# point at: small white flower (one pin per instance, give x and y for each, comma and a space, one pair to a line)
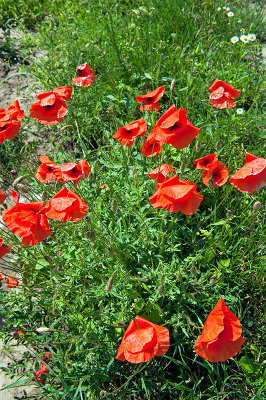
252, 37
244, 38
230, 14
227, 8
224, 8
240, 111
234, 39
219, 9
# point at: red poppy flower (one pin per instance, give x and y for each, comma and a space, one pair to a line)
51, 107
151, 147
102, 186
8, 129
3, 196
205, 162
38, 375
127, 134
43, 370
47, 356
14, 111
142, 341
1, 277
174, 128
63, 93
75, 172
161, 173
252, 176
26, 221
221, 335
65, 206
86, 76
48, 171
177, 195
11, 282
218, 172
151, 99
223, 94
4, 249
21, 333
15, 196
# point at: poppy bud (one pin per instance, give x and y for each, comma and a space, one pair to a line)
218, 146
161, 289
113, 205
44, 196
210, 183
172, 86
17, 180
88, 219
182, 167
198, 147
256, 205
109, 285
111, 252
91, 235
13, 173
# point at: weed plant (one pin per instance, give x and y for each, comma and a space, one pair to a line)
169, 268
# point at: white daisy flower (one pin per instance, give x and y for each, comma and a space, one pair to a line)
224, 8
219, 9
252, 37
230, 14
227, 8
239, 111
244, 38
234, 39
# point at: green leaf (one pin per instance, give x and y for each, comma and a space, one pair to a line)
248, 366
41, 263
223, 264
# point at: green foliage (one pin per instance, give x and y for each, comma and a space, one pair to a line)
168, 268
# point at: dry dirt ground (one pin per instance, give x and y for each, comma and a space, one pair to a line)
15, 85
